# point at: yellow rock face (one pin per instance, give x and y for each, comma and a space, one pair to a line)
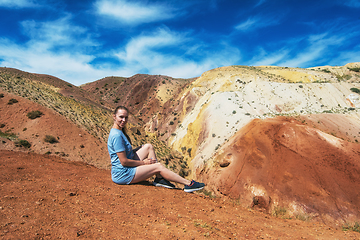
221, 101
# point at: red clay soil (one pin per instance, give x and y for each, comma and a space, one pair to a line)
47, 197
74, 143
287, 167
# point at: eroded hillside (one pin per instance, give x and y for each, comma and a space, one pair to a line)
62, 100
224, 100
229, 127
287, 168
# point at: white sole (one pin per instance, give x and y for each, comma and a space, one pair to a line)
193, 189
160, 185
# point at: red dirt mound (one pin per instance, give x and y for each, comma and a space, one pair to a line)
46, 197
288, 168
73, 143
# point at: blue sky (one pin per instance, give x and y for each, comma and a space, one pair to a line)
82, 41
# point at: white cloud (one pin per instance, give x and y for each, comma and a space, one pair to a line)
347, 57
264, 58
141, 48
256, 22
55, 48
314, 49
351, 3
133, 13
318, 45
18, 3
145, 53
248, 24
67, 66
261, 2
60, 32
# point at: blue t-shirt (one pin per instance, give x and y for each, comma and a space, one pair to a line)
117, 142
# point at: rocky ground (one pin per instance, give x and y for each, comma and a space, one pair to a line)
47, 197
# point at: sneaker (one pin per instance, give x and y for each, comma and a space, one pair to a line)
194, 186
162, 182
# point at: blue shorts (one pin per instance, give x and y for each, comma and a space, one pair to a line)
123, 175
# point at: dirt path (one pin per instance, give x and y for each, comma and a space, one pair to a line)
45, 197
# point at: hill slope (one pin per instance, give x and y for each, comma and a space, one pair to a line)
77, 106
281, 163
70, 141
193, 122
44, 197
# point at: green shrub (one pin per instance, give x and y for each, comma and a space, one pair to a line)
34, 114
23, 143
356, 90
183, 172
8, 134
355, 227
12, 101
50, 139
357, 69
1, 95
279, 212
343, 77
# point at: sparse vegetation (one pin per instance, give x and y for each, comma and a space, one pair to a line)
12, 101
34, 114
22, 143
355, 90
208, 193
50, 139
343, 77
189, 151
279, 212
303, 217
8, 134
183, 172
356, 69
355, 227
